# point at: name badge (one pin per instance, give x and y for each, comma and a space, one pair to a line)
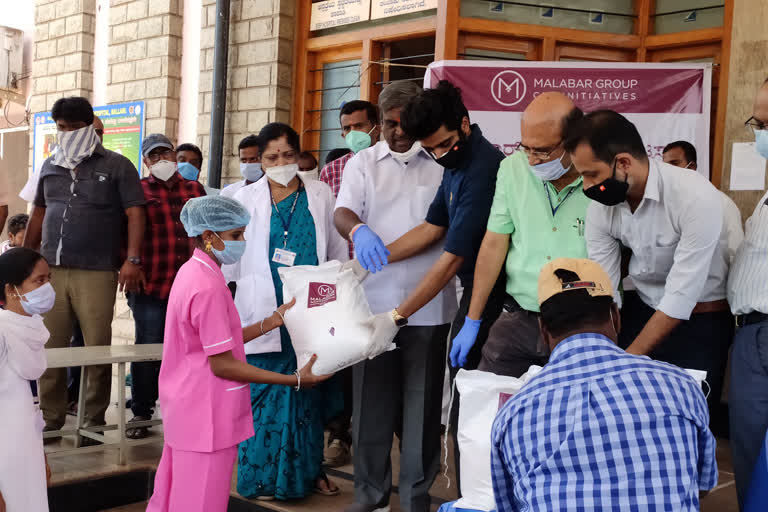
284, 257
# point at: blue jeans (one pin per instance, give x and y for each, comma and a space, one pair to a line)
748, 401
149, 317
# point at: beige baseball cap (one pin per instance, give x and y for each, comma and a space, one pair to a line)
592, 278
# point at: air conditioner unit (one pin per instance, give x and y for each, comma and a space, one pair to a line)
11, 58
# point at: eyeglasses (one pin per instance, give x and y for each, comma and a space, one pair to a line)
755, 125
539, 154
156, 157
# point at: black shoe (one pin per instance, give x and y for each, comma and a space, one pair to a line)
360, 507
50, 440
87, 441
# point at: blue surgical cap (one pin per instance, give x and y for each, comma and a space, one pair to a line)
215, 213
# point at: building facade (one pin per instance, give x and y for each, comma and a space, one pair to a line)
280, 69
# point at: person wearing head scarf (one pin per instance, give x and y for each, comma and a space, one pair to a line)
204, 376
26, 293
292, 224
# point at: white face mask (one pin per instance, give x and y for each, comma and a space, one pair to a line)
163, 169
407, 155
312, 175
282, 174
550, 171
251, 171
75, 146
39, 300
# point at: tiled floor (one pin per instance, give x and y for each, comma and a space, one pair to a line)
86, 466
69, 468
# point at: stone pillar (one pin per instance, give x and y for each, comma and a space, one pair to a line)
748, 68
259, 74
145, 59
63, 58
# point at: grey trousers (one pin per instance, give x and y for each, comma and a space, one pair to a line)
748, 401
400, 391
514, 344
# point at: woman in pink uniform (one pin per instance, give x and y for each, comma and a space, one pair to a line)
204, 393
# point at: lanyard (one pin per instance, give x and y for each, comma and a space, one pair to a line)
555, 208
286, 225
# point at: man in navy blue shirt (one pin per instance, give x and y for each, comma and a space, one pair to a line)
438, 119
459, 213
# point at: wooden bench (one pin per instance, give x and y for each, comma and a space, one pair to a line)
94, 356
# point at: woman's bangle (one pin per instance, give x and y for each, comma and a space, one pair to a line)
280, 315
262, 326
298, 380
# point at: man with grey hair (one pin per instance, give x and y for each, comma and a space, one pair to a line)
386, 191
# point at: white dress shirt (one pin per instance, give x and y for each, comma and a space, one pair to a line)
747, 288
732, 229
255, 298
392, 198
5, 192
679, 249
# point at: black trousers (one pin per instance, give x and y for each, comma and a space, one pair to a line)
340, 426
400, 390
700, 343
492, 311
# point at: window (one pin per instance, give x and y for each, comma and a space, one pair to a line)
341, 83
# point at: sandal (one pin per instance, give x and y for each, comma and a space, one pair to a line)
137, 432
328, 491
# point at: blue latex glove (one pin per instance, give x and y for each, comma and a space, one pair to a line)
463, 342
450, 506
369, 249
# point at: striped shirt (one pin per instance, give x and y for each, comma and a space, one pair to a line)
600, 429
332, 174
334, 171
747, 291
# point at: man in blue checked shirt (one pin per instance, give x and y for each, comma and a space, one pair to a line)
598, 428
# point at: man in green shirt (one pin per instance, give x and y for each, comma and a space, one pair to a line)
537, 216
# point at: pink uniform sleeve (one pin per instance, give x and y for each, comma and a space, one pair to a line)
209, 314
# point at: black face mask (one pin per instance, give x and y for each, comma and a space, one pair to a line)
454, 156
610, 192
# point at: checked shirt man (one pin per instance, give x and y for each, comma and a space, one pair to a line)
599, 428
166, 248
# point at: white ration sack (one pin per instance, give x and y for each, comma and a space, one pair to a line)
331, 317
481, 395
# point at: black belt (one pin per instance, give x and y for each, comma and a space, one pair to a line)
511, 306
751, 318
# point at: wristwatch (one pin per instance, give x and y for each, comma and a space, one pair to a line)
399, 319
135, 260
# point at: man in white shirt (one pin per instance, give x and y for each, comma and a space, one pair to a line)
250, 165
390, 187
682, 154
748, 297
672, 223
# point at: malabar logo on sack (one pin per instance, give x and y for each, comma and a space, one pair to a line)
320, 294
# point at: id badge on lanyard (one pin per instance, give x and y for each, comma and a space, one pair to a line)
282, 255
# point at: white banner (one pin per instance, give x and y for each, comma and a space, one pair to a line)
667, 102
